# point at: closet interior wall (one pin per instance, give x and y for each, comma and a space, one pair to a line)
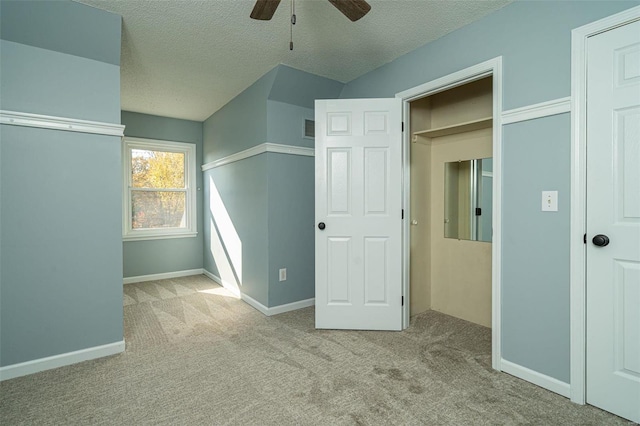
448, 275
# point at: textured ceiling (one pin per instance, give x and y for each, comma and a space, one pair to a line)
188, 58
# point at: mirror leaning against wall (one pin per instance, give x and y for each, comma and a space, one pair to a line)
468, 187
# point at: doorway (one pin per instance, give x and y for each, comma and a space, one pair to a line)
451, 187
363, 128
453, 125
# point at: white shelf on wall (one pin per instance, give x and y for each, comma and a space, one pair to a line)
468, 126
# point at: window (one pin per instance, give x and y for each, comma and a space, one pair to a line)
159, 189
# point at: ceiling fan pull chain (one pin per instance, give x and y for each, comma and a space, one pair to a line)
293, 22
293, 12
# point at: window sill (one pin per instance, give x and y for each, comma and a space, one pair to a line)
144, 237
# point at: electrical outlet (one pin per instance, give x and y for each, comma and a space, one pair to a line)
283, 274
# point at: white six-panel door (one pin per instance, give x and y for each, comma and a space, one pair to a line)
358, 214
613, 210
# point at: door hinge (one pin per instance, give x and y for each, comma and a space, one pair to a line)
402, 301
584, 239
478, 211
402, 213
403, 126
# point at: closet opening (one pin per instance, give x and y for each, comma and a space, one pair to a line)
451, 201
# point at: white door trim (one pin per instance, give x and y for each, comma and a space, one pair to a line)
579, 38
491, 67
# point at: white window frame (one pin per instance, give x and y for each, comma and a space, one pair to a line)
189, 151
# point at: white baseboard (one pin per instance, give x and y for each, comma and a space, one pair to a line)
164, 276
542, 380
255, 304
48, 363
280, 309
232, 288
259, 306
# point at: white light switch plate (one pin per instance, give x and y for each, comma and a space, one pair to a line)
549, 201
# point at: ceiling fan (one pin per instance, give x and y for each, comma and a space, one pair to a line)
352, 9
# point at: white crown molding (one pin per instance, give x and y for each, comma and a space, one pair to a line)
13, 118
257, 150
163, 276
542, 380
48, 363
543, 109
275, 310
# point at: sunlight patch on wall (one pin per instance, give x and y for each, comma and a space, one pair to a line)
225, 269
225, 246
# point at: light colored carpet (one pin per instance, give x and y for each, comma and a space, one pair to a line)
195, 355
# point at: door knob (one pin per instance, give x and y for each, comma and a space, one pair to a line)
600, 240
321, 226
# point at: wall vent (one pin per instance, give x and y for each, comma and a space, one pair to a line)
309, 129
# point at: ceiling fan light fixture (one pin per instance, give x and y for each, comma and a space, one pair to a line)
263, 10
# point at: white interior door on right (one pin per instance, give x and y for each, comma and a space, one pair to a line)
613, 221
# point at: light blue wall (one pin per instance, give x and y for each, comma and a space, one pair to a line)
61, 282
41, 81
242, 188
241, 123
174, 254
63, 26
285, 124
295, 87
534, 39
535, 273
276, 228
292, 183
291, 227
60, 192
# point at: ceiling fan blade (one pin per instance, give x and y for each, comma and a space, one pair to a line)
264, 9
352, 9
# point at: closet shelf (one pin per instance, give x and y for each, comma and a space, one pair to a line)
482, 123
